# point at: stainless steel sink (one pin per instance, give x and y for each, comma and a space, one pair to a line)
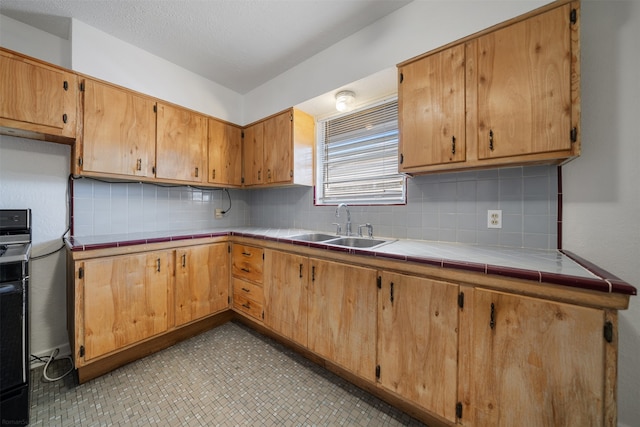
313, 237
356, 242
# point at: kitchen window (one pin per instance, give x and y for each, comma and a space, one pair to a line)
357, 161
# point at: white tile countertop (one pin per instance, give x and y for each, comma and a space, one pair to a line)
546, 266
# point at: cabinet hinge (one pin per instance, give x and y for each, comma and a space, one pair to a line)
290, 117
228, 300
262, 314
65, 85
574, 134
155, 108
401, 158
378, 371
229, 249
81, 273
242, 134
81, 351
401, 77
242, 180
608, 331
64, 118
79, 161
459, 410
263, 256
153, 170
461, 300
573, 16
81, 86
379, 282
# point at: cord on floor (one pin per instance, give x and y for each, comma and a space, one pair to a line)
48, 361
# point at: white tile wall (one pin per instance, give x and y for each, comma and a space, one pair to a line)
449, 207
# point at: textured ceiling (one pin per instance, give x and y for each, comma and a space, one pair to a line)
239, 44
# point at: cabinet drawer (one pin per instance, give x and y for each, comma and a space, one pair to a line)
246, 305
247, 262
249, 290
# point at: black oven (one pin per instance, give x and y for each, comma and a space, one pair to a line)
15, 249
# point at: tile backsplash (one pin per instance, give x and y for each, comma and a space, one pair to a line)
450, 207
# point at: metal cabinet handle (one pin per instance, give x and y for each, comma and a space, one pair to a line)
139, 164
453, 145
213, 174
246, 253
184, 260
158, 265
391, 293
197, 172
259, 175
490, 139
492, 320
247, 306
300, 270
246, 270
246, 290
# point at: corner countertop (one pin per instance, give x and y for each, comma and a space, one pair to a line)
557, 267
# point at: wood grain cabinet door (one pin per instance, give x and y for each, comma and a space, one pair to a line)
42, 99
431, 110
524, 87
532, 362
202, 281
342, 315
125, 300
180, 145
285, 294
252, 151
418, 341
225, 154
278, 148
119, 135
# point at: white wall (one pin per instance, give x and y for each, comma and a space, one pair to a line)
31, 41
412, 30
105, 57
602, 187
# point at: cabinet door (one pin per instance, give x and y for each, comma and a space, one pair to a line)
37, 96
202, 281
278, 148
418, 341
119, 131
342, 315
431, 112
225, 153
524, 87
180, 145
253, 143
533, 362
285, 295
125, 300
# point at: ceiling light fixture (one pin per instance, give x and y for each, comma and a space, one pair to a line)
345, 100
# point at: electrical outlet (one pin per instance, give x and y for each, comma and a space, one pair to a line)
218, 213
494, 218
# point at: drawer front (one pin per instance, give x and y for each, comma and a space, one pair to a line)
248, 262
247, 306
249, 290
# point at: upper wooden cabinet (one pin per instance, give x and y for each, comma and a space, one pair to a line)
515, 86
279, 150
523, 82
37, 100
225, 154
119, 132
431, 110
181, 144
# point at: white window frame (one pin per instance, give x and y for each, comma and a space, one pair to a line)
362, 197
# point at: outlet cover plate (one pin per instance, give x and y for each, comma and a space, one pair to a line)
494, 218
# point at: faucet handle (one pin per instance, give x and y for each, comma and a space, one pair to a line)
369, 230
338, 228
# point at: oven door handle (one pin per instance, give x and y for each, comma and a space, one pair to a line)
10, 288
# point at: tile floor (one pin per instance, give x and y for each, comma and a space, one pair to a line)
229, 376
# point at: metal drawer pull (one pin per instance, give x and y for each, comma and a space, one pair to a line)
246, 270
247, 306
246, 253
246, 290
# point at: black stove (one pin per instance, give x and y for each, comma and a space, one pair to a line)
15, 250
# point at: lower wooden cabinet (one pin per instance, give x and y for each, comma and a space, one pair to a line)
285, 292
342, 315
532, 362
124, 300
202, 281
247, 269
418, 341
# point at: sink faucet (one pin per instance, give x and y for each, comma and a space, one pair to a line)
346, 208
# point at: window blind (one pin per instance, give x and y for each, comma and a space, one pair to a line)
358, 158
